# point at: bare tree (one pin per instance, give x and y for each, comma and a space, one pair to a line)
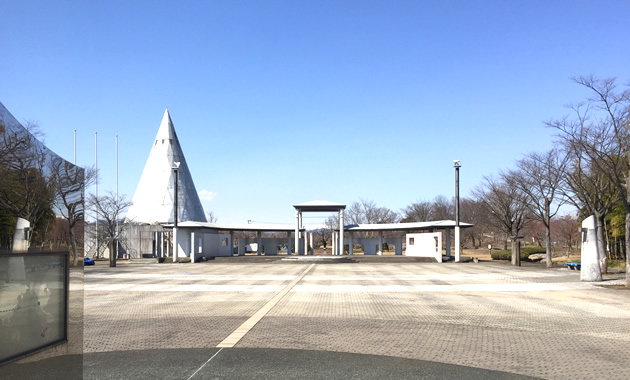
474, 212
108, 209
443, 208
367, 212
24, 190
69, 182
420, 211
597, 135
566, 229
211, 217
507, 207
613, 107
539, 177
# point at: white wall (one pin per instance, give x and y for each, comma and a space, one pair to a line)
425, 245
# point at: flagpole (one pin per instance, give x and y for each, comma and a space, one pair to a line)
117, 205
96, 203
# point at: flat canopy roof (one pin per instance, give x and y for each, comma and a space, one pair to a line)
267, 227
236, 227
439, 224
319, 206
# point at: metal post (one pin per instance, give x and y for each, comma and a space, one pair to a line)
117, 204
96, 191
192, 247
297, 233
457, 244
341, 232
350, 243
175, 207
380, 243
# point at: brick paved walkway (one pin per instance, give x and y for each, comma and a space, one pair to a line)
540, 323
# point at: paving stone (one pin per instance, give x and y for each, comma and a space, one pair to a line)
529, 321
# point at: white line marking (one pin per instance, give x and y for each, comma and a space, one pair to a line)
204, 364
243, 329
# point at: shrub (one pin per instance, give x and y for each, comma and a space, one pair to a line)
525, 252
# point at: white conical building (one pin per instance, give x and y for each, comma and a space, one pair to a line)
153, 201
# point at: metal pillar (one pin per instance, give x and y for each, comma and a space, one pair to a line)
380, 243
310, 240
231, 243
259, 242
175, 206
288, 243
447, 235
297, 232
350, 243
341, 232
192, 247
457, 244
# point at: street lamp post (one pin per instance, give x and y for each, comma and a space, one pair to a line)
457, 165
175, 206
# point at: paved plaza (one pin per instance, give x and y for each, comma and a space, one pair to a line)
390, 317
527, 321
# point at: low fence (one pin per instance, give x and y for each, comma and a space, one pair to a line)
33, 303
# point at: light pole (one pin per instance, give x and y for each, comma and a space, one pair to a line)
457, 165
175, 247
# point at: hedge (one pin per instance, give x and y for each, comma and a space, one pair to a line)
525, 252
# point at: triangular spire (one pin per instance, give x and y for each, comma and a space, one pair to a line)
153, 201
166, 131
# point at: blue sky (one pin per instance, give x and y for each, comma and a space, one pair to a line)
279, 102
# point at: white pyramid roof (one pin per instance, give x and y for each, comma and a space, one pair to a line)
153, 201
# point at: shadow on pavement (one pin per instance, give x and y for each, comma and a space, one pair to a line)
241, 363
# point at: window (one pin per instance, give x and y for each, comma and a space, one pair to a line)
224, 242
410, 241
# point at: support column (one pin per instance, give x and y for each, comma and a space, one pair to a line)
447, 235
350, 243
161, 242
169, 247
457, 256
297, 232
242, 245
341, 232
231, 243
154, 237
259, 242
175, 246
334, 243
302, 249
288, 243
310, 240
380, 243
192, 247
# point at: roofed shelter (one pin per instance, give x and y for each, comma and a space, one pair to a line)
316, 206
441, 225
195, 239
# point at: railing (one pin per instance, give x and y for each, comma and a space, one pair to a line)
33, 302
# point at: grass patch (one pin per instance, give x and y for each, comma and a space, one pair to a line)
617, 264
525, 252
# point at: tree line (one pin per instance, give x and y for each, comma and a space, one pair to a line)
588, 169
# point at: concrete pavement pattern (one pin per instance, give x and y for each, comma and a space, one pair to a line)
527, 321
